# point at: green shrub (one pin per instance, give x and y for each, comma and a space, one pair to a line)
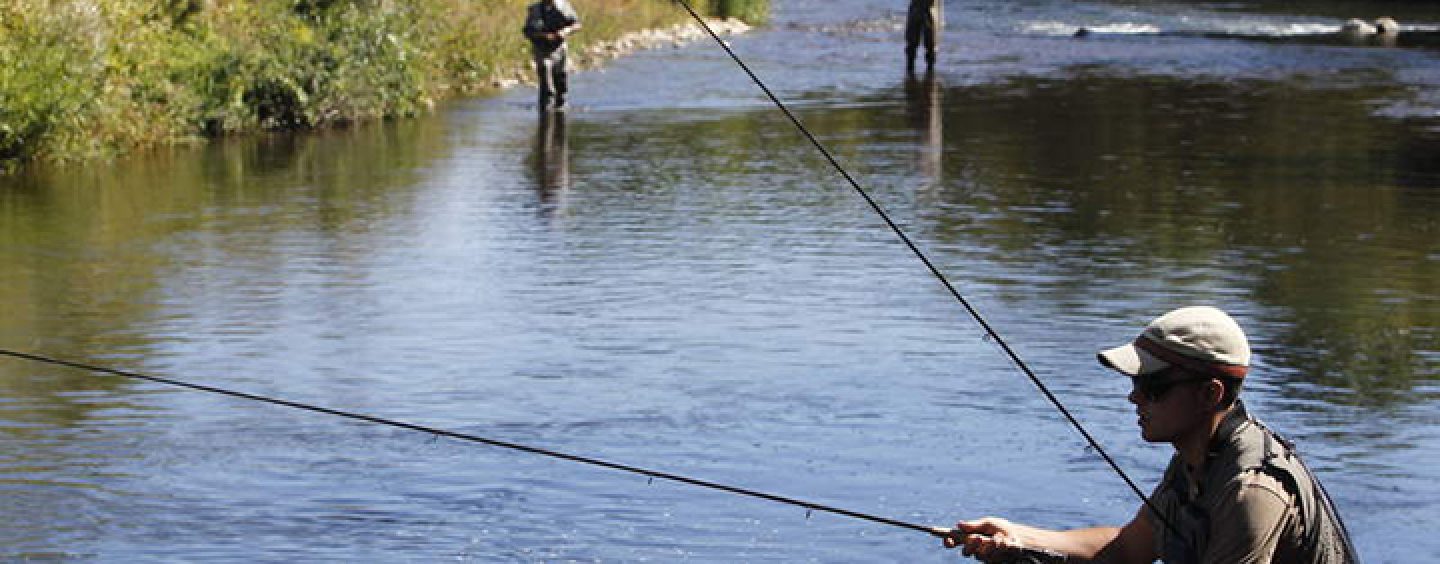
49, 77
71, 87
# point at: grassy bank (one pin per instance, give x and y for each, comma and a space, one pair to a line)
88, 78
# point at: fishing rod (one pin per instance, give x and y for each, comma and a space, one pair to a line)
1024, 556
990, 331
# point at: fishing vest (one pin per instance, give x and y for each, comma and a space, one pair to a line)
542, 17
1242, 444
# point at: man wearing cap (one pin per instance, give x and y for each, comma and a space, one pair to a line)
547, 22
1235, 492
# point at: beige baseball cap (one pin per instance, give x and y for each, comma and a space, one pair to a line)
1199, 338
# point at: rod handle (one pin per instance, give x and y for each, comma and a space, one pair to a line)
1021, 555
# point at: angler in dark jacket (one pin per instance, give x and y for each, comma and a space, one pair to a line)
1234, 493
547, 23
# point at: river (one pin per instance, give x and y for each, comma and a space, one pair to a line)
669, 276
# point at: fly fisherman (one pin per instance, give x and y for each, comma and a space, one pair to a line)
547, 22
1234, 491
922, 23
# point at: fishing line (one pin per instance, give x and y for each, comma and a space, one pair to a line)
651, 474
974, 313
990, 331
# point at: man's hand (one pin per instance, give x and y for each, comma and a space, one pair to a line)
990, 539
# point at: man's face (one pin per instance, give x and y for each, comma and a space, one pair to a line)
1169, 403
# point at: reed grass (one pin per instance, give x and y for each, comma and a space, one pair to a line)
91, 78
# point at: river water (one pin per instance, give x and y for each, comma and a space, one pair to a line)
671, 277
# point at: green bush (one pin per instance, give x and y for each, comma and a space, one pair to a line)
71, 87
48, 79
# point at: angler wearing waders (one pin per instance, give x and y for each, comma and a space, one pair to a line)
547, 22
922, 23
1235, 492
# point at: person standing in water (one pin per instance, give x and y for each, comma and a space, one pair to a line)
547, 23
1234, 492
922, 25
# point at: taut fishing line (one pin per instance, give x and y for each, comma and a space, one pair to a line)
1027, 556
974, 313
478, 439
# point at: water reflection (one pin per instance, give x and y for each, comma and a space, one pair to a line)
924, 99
550, 162
369, 269
1271, 187
93, 256
1215, 190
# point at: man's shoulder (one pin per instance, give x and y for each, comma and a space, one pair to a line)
1246, 446
1257, 482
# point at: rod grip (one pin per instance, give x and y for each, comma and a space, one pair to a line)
1020, 555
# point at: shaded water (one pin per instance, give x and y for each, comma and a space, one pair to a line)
671, 277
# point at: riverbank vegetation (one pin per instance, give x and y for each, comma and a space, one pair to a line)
87, 78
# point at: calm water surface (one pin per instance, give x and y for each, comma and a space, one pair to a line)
671, 277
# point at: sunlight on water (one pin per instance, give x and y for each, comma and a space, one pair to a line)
669, 276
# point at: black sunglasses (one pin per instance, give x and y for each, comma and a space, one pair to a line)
1153, 387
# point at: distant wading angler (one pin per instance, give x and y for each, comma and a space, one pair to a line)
547, 23
922, 25
1234, 493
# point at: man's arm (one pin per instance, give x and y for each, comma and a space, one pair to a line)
568, 29
1134, 543
572, 21
993, 539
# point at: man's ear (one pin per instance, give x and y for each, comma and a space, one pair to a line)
1212, 392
